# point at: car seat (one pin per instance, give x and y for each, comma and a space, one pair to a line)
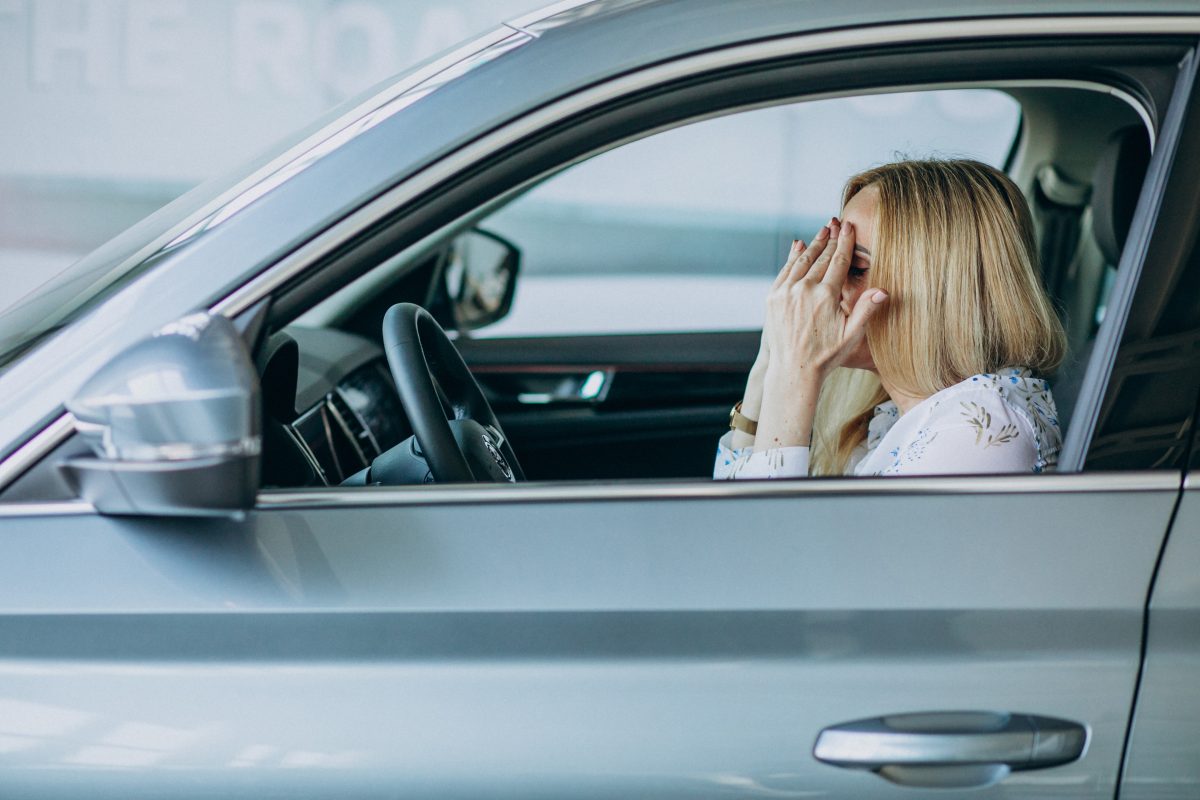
1081, 289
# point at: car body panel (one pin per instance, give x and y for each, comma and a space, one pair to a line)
569, 648
1163, 762
680, 639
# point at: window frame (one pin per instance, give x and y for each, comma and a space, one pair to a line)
441, 196
1069, 462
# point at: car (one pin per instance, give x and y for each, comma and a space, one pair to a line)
264, 526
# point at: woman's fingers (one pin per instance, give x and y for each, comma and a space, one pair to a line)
869, 303
802, 265
805, 324
798, 248
821, 265
843, 255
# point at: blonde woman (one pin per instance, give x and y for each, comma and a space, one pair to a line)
908, 337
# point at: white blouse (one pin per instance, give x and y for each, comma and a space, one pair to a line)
988, 423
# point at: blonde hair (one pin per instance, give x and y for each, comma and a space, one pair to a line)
955, 251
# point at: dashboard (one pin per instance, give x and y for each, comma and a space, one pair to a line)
330, 407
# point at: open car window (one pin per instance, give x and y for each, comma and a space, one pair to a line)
684, 230
644, 269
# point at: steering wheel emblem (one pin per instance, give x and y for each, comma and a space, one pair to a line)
496, 454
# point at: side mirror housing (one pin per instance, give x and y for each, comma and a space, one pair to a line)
479, 278
174, 422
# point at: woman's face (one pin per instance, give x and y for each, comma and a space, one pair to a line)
863, 212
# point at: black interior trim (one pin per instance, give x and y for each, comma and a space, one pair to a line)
694, 350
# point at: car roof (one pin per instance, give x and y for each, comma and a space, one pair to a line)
732, 21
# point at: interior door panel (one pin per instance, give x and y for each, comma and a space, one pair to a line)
628, 406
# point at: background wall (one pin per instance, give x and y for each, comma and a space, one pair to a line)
112, 108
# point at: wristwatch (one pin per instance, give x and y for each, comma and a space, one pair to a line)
740, 422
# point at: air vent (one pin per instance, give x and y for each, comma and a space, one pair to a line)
353, 426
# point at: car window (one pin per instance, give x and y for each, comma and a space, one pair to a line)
684, 230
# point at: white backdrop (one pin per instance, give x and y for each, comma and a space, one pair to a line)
112, 108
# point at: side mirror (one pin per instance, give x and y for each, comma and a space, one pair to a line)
480, 278
175, 425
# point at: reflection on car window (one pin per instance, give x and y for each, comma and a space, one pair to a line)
683, 231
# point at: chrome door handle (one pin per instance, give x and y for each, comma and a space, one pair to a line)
951, 749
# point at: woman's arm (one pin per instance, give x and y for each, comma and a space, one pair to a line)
781, 462
753, 395
805, 336
735, 453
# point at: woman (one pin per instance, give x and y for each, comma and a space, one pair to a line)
906, 338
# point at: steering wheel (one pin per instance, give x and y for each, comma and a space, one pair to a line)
431, 377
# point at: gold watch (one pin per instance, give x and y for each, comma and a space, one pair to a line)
740, 422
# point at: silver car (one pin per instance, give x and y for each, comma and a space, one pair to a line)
267, 531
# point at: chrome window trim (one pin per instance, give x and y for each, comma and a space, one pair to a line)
517, 29
61, 508
1191, 482
474, 494
334, 497
544, 14
37, 448
287, 268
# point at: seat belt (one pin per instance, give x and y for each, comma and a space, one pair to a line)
1059, 205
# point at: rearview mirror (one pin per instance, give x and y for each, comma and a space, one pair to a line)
174, 423
480, 277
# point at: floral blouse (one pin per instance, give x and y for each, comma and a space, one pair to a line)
993, 422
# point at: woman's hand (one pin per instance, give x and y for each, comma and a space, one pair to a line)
794, 255
752, 396
807, 324
809, 333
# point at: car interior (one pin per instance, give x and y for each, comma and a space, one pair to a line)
615, 406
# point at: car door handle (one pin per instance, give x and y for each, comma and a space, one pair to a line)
951, 749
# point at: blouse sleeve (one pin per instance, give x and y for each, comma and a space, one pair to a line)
977, 434
745, 462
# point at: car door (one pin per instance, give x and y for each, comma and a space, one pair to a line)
1151, 416
680, 639
852, 638
699, 639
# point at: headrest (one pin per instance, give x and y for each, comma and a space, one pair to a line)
1116, 183
1061, 190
